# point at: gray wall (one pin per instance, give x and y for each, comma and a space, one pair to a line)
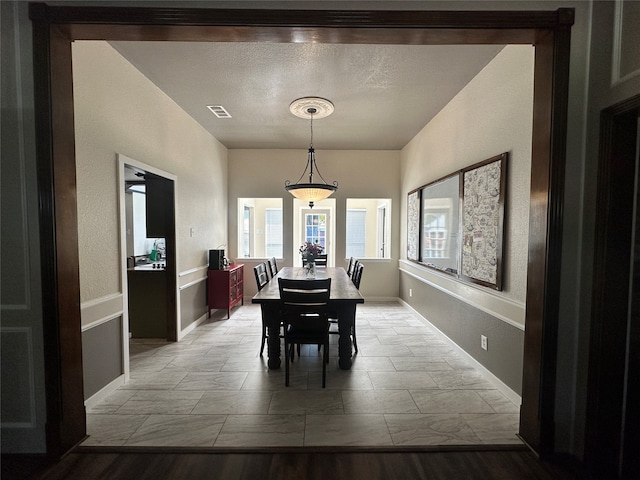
102, 355
464, 323
193, 302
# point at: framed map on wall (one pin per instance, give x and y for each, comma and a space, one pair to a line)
483, 221
413, 225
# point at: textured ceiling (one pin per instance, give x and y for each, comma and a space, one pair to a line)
383, 94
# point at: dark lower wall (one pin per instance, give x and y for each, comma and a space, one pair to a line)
102, 355
464, 324
193, 303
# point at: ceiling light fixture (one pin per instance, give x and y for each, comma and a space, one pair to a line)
309, 107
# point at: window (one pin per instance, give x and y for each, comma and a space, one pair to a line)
273, 232
368, 228
356, 233
317, 224
315, 229
260, 227
246, 231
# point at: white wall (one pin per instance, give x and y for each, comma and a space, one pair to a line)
118, 110
491, 115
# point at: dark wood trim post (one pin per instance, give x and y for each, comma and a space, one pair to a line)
66, 420
551, 88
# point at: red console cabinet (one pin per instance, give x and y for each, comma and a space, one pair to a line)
225, 288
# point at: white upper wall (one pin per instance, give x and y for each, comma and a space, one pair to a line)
491, 115
118, 110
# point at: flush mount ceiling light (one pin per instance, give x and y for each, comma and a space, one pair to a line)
310, 107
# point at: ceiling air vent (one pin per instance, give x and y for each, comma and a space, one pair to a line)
219, 111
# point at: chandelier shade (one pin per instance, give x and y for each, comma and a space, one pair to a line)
311, 191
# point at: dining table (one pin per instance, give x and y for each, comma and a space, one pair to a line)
343, 299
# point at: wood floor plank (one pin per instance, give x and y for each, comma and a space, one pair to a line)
158, 465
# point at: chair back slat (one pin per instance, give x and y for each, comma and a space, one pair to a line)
352, 264
357, 275
273, 267
319, 260
260, 272
304, 296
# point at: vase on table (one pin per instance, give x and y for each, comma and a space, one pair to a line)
311, 269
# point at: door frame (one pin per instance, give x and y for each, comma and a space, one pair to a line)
56, 27
612, 433
328, 230
300, 209
382, 233
173, 296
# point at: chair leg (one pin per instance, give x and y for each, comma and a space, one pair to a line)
355, 342
286, 364
264, 337
325, 360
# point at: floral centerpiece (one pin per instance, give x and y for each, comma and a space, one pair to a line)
310, 251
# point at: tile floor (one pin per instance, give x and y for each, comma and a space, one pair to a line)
407, 387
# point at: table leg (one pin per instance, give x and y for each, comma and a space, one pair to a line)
346, 318
271, 316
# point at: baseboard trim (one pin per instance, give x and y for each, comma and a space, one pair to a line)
192, 326
104, 392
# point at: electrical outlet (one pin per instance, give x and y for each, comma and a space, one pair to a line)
484, 343
411, 292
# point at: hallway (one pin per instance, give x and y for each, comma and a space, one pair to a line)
408, 388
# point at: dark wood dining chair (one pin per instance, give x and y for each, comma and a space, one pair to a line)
333, 316
350, 268
260, 271
273, 266
319, 260
357, 275
303, 306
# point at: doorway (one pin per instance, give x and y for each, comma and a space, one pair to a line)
55, 28
148, 251
315, 225
613, 392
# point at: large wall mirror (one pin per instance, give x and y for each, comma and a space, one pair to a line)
440, 221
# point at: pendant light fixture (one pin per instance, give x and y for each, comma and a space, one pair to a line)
310, 107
